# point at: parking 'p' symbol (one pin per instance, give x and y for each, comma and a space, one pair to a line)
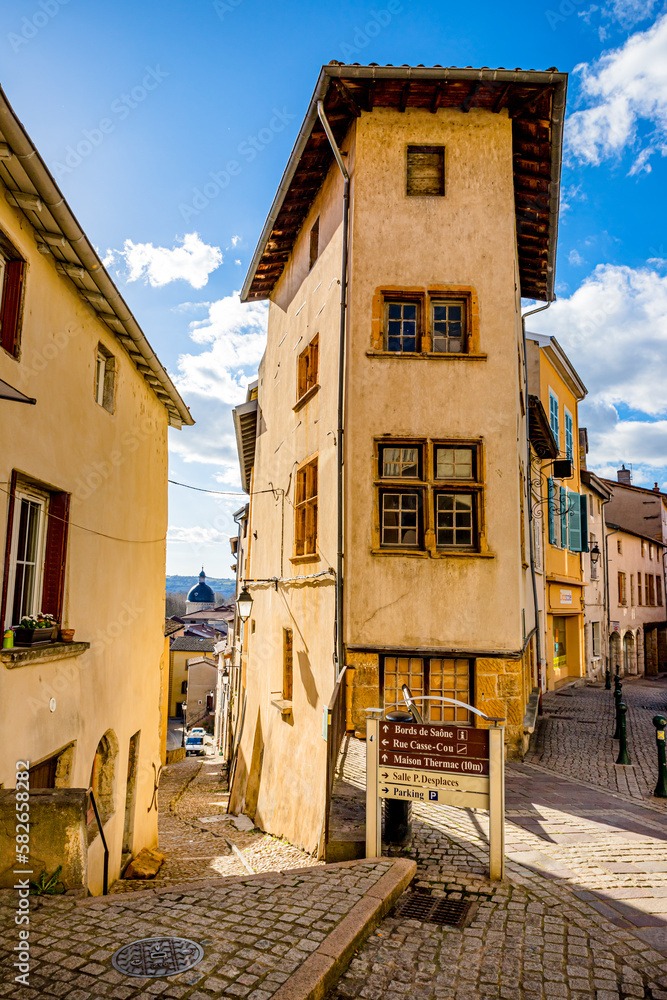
433, 796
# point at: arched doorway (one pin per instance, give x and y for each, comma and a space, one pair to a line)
615, 652
102, 780
629, 654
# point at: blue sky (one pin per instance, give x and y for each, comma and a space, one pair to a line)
135, 106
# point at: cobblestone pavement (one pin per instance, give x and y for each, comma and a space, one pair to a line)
581, 914
197, 836
574, 735
255, 932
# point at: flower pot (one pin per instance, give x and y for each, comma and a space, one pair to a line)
35, 636
67, 635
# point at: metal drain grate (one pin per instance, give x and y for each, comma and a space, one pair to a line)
438, 910
157, 957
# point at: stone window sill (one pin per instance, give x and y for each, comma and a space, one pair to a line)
428, 355
284, 706
23, 656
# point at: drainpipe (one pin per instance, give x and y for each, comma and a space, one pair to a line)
533, 576
606, 590
341, 385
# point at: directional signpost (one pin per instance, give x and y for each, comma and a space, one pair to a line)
438, 764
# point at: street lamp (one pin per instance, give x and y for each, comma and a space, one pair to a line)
244, 604
184, 709
595, 554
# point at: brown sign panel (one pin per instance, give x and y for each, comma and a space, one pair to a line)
428, 762
436, 741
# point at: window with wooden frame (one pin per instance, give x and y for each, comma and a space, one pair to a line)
402, 325
437, 677
35, 552
640, 599
425, 171
658, 591
308, 368
622, 594
305, 510
457, 505
595, 635
314, 245
105, 377
288, 664
632, 590
650, 579
401, 509
448, 326
12, 277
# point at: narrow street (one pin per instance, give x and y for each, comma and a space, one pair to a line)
199, 838
583, 911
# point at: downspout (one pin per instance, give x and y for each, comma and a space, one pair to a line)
341, 386
533, 576
606, 590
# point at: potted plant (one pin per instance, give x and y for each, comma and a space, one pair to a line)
66, 634
35, 630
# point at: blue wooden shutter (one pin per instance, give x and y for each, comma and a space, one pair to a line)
583, 507
574, 521
563, 500
551, 512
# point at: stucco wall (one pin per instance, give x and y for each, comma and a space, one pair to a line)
57, 836
115, 467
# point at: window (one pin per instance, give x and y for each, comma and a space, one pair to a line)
105, 374
446, 494
305, 510
402, 319
448, 326
639, 589
658, 590
288, 664
426, 171
553, 415
632, 590
651, 551
184, 687
591, 509
456, 510
622, 596
650, 579
643, 547
12, 274
437, 677
596, 638
619, 546
314, 248
308, 368
647, 589
569, 436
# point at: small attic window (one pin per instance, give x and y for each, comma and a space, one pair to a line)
105, 377
314, 242
426, 171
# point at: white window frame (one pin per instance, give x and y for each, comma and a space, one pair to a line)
42, 500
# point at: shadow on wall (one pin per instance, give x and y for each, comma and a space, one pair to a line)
255, 776
307, 678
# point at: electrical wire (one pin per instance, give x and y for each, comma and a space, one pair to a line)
224, 493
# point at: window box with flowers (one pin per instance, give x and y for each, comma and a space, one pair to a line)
35, 630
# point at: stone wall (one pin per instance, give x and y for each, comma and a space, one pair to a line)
57, 835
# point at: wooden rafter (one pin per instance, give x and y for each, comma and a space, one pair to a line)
346, 97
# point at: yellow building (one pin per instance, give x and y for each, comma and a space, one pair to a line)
83, 507
386, 447
561, 506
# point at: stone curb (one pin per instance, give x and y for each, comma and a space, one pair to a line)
323, 968
224, 880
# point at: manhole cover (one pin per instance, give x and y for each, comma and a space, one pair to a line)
422, 906
159, 956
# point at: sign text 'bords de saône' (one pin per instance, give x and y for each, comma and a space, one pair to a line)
434, 748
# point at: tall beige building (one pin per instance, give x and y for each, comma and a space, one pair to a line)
385, 447
85, 407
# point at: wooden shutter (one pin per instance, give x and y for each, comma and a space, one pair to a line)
551, 495
55, 555
564, 503
8, 550
426, 170
574, 521
11, 304
583, 508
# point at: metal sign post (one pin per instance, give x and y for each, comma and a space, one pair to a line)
438, 764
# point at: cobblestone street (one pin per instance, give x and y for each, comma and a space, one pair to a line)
200, 840
583, 912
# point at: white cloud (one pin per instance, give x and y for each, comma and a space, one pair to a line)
575, 258
192, 261
195, 535
627, 13
236, 240
624, 88
236, 333
614, 330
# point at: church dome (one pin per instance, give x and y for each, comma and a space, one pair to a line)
201, 593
